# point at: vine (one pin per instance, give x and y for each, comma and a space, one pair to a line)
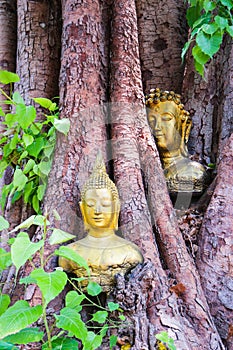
208, 21
27, 145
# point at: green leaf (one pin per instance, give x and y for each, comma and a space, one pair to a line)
14, 141
221, 22
92, 341
27, 280
28, 190
5, 191
17, 195
48, 150
229, 30
19, 179
10, 119
43, 102
41, 191
27, 139
199, 55
36, 128
93, 288
6, 150
23, 155
35, 203
210, 28
22, 249
45, 167
29, 166
50, 283
209, 44
70, 320
100, 316
25, 224
70, 254
17, 317
25, 336
62, 344
74, 300
209, 5
7, 346
192, 14
8, 77
113, 306
199, 68
204, 19
17, 98
58, 236
122, 317
62, 125
112, 341
26, 115
227, 3
4, 303
3, 166
36, 147
4, 224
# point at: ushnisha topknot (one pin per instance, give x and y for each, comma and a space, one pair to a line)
156, 95
99, 179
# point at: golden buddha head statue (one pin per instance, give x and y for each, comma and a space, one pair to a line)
169, 121
100, 205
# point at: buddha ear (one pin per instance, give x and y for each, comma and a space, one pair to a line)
116, 214
81, 205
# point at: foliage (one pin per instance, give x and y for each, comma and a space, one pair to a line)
27, 145
209, 21
164, 339
15, 319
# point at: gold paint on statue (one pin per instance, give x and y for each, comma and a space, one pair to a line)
106, 253
171, 126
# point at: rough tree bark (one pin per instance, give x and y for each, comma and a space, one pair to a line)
162, 33
215, 255
38, 49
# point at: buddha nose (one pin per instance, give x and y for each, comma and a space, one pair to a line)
97, 208
157, 123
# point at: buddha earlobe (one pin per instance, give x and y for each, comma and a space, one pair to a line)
81, 205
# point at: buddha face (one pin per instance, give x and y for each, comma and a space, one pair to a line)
99, 209
166, 125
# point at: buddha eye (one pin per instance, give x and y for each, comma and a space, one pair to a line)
167, 116
106, 203
90, 203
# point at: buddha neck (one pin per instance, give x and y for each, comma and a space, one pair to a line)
100, 233
170, 157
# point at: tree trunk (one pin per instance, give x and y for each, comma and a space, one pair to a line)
131, 132
214, 260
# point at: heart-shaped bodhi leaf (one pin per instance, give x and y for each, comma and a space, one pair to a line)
68, 253
50, 283
70, 320
58, 236
17, 317
22, 249
74, 300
